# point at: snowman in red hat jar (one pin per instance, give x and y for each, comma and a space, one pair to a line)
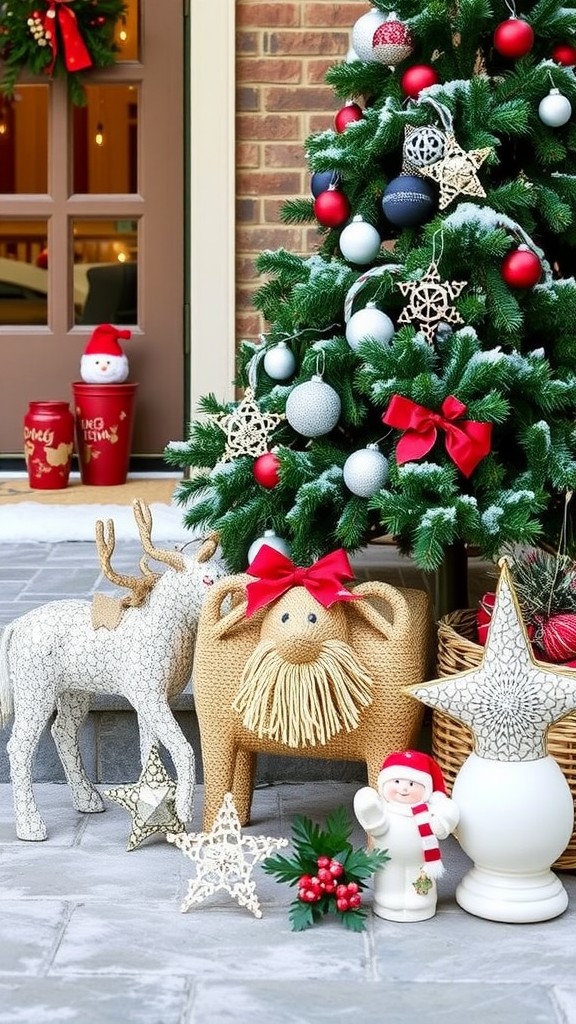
408, 816
104, 361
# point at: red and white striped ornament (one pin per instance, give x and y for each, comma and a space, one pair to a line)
392, 42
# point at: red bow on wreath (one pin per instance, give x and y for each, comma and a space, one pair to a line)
76, 56
467, 441
276, 574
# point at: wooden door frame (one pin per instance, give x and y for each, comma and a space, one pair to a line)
212, 192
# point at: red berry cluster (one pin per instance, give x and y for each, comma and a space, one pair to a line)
312, 888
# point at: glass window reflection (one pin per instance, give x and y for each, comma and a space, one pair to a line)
106, 271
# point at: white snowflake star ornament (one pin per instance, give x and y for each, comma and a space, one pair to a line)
430, 302
511, 699
150, 801
225, 859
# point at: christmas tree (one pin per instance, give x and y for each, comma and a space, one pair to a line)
418, 373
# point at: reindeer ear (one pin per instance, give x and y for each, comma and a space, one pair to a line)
224, 609
208, 547
374, 591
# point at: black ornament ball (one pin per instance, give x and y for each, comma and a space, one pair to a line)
323, 180
408, 200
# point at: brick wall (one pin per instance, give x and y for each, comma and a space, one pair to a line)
282, 53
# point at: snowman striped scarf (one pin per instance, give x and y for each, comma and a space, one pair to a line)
430, 845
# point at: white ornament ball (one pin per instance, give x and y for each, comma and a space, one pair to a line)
313, 408
279, 362
369, 322
424, 146
555, 109
365, 471
363, 34
271, 538
351, 56
360, 241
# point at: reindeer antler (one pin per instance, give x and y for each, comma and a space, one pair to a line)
139, 585
143, 517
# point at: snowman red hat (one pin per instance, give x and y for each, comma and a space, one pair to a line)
415, 766
104, 361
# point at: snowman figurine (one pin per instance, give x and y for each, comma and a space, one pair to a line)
104, 361
407, 816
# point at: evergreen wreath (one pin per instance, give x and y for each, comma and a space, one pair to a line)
57, 37
329, 872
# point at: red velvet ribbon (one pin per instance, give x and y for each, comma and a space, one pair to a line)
76, 56
324, 580
467, 441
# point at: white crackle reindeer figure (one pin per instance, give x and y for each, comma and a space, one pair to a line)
140, 647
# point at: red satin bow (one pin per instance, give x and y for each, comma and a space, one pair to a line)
76, 56
467, 441
277, 574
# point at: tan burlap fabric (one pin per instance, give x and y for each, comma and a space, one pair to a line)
383, 643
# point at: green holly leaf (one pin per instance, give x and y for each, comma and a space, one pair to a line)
360, 864
284, 869
301, 915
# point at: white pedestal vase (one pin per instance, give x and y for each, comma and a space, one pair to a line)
516, 819
516, 809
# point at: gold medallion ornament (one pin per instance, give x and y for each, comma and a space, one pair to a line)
225, 859
456, 173
429, 304
247, 429
150, 801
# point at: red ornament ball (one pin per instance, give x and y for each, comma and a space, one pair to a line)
416, 78
351, 112
564, 53
514, 38
521, 268
331, 208
265, 470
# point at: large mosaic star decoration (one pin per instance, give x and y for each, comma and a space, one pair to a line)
150, 801
429, 304
456, 173
511, 699
247, 429
225, 859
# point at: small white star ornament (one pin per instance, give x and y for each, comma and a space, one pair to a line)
248, 430
456, 172
225, 859
150, 801
516, 808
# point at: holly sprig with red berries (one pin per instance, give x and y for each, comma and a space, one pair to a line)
329, 872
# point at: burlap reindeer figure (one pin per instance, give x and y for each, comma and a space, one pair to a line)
296, 663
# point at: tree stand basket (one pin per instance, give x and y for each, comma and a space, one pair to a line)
452, 741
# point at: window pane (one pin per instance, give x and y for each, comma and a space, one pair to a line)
105, 271
23, 274
24, 141
106, 141
127, 36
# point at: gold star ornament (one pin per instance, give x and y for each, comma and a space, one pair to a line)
150, 801
225, 859
456, 172
430, 302
247, 429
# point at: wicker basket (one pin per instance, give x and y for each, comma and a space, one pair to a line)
452, 741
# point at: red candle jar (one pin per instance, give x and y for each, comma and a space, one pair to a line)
48, 444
